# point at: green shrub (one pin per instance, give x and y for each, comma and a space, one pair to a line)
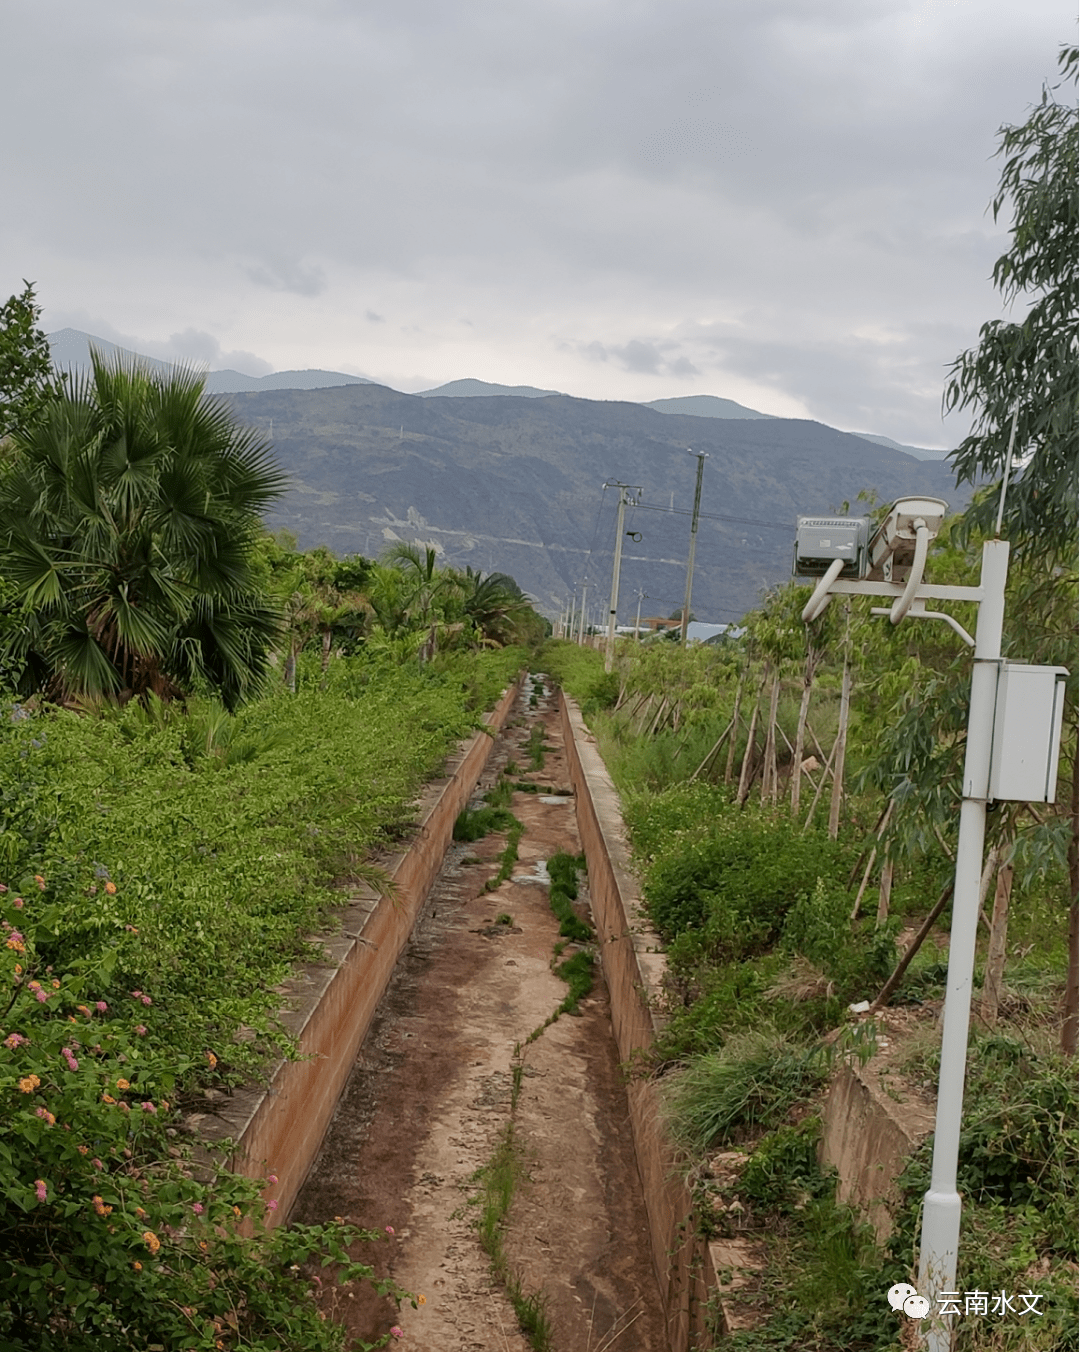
738, 882
783, 1172
475, 823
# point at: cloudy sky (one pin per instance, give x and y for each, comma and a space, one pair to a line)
778, 201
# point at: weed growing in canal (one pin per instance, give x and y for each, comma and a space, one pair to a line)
577, 972
475, 823
562, 869
536, 747
498, 1180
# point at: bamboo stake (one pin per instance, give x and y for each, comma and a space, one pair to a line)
800, 729
744, 782
735, 723
768, 772
884, 892
706, 763
841, 736
995, 954
817, 795
882, 823
886, 991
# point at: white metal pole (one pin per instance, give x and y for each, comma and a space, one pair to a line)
637, 621
609, 657
581, 617
941, 1205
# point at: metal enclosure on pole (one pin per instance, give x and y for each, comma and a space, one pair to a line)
702, 457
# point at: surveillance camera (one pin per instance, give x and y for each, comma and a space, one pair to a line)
821, 540
892, 550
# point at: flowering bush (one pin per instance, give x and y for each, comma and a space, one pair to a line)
110, 1237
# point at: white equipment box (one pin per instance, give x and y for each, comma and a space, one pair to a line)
1027, 733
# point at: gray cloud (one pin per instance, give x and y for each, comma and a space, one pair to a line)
779, 202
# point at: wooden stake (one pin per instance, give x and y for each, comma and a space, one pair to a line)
886, 991
884, 892
995, 954
841, 737
768, 773
800, 729
735, 722
748, 755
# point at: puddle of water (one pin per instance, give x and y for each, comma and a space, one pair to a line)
554, 798
538, 875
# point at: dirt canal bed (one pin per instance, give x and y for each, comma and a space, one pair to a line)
457, 1102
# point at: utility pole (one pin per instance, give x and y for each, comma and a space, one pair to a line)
637, 622
609, 657
581, 618
702, 457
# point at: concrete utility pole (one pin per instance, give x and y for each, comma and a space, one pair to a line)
702, 457
637, 622
609, 657
581, 618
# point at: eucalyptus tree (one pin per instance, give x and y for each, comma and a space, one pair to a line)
129, 518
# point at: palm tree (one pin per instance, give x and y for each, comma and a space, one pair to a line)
128, 524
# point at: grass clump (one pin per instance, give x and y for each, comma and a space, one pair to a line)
536, 747
475, 823
562, 869
752, 1082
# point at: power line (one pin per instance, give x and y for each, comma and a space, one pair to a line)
713, 516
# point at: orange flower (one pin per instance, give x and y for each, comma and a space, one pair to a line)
212, 1059
123, 1084
137, 1267
151, 1240
107, 1098
110, 887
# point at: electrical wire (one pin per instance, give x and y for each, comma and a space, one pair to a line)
713, 516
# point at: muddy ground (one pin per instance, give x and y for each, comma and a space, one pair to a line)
430, 1098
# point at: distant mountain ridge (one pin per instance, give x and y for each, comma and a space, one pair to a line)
71, 350
515, 484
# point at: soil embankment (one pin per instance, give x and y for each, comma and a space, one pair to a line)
430, 1098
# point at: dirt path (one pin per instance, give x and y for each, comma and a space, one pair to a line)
430, 1099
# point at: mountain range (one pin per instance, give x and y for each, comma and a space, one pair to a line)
515, 482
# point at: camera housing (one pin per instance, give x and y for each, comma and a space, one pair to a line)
892, 549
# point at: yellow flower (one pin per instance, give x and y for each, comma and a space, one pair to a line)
29, 1084
151, 1240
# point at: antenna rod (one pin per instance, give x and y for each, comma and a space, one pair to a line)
1008, 467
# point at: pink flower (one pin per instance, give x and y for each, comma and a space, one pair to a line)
41, 996
18, 903
397, 1332
41, 1188
389, 1229
15, 1040
146, 999
149, 1108
3, 887
98, 1164
69, 1057
137, 994
272, 1204
197, 1207
101, 1006
140, 1028
271, 1178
